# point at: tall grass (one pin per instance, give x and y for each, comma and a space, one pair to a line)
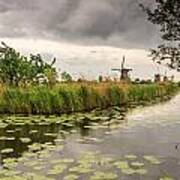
72, 97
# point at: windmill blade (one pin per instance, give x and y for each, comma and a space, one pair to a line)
115, 69
123, 62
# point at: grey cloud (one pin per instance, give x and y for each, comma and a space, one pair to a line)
111, 22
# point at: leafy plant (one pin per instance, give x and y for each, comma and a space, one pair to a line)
16, 69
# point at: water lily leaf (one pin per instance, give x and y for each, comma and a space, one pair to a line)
81, 169
18, 129
74, 131
31, 163
58, 169
3, 138
3, 125
141, 171
67, 124
33, 131
25, 140
44, 123
9, 160
71, 177
137, 164
64, 132
20, 124
13, 173
44, 154
105, 161
14, 178
51, 134
122, 164
3, 172
29, 154
7, 150
128, 171
103, 176
35, 147
10, 163
93, 139
10, 138
38, 168
59, 140
40, 177
10, 131
152, 160
64, 160
131, 157
166, 178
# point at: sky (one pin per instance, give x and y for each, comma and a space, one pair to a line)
88, 37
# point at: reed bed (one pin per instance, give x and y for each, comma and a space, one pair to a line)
74, 97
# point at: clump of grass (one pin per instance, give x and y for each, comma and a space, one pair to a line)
72, 97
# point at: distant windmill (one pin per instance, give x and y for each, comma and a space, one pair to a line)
124, 72
163, 77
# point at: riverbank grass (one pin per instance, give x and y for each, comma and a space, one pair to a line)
74, 97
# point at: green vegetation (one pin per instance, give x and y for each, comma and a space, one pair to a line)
29, 86
65, 76
16, 70
93, 165
74, 97
165, 15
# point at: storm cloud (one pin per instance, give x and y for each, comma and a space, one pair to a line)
108, 22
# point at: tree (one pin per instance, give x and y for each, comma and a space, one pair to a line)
66, 76
15, 68
166, 14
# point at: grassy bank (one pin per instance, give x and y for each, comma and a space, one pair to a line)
72, 97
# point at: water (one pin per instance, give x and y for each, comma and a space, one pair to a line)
148, 136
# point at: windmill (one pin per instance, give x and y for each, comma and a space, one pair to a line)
124, 72
163, 77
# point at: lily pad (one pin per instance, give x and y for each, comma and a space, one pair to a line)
3, 138
35, 147
166, 178
71, 177
33, 131
59, 140
10, 138
10, 131
122, 164
64, 161
10, 163
137, 164
81, 169
131, 157
103, 176
3, 125
51, 134
7, 150
141, 171
38, 168
152, 160
25, 140
58, 169
128, 171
